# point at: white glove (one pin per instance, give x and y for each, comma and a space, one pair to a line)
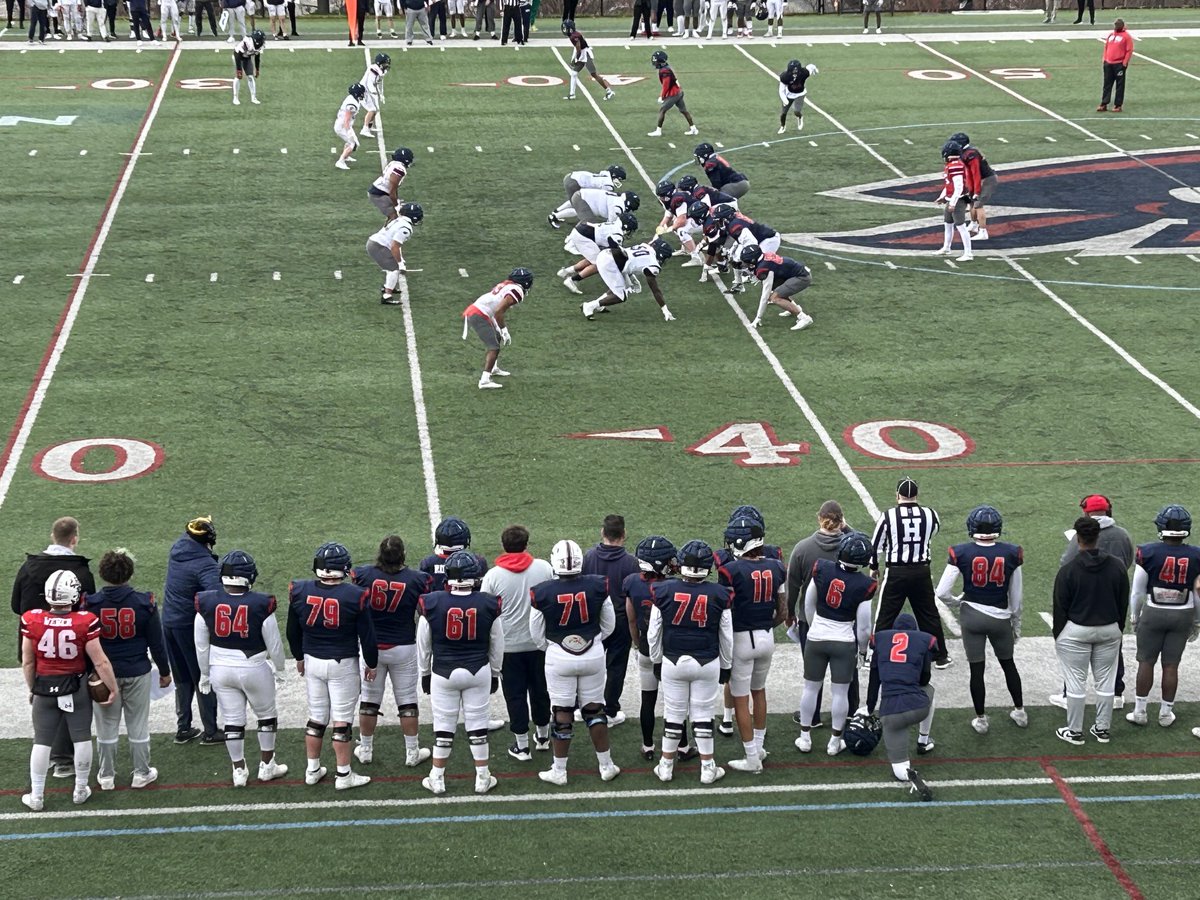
1016, 629
205, 686
505, 337
757, 323
660, 100
667, 315
812, 70
279, 678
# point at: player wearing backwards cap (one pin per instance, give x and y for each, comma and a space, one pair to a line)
56, 645
671, 95
486, 318
1163, 609
900, 672
191, 568
990, 608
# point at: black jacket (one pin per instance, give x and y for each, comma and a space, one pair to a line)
1091, 589
29, 587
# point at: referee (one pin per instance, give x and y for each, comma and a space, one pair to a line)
902, 537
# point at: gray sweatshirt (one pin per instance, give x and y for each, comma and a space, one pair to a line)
511, 579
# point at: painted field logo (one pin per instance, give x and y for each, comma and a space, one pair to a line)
1109, 204
93, 460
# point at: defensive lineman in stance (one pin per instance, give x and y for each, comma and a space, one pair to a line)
610, 179
460, 651
569, 619
241, 658
620, 269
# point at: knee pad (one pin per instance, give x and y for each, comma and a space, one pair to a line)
369, 709
562, 731
235, 732
341, 733
408, 711
443, 739
593, 715
673, 730
478, 736
703, 729
268, 725
315, 729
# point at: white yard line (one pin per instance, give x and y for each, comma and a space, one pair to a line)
33, 405
432, 498
1151, 59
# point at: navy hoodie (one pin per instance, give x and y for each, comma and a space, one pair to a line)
191, 568
615, 564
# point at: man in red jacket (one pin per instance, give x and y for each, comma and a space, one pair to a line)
1118, 50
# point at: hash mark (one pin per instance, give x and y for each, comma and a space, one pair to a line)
463, 273
907, 141
33, 153
1071, 261
1192, 136
812, 143
720, 146
1002, 140
1145, 137
669, 144
430, 149
236, 151
187, 151
1052, 140
478, 149
83, 153
830, 266
575, 147
950, 263
283, 150
1134, 260
150, 278
274, 276
212, 277
1047, 618
528, 149
889, 264
337, 274
18, 279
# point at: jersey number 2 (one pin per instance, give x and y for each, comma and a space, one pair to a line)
899, 652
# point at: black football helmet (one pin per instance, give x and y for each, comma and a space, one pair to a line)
568, 26
695, 559
632, 201
452, 533
629, 222
258, 38
665, 188
688, 183
751, 255
984, 520
951, 148
1173, 521
704, 151
761, 13
743, 535
357, 91
412, 211
522, 276
960, 137
854, 549
658, 59
239, 565
332, 559
662, 249
383, 61
618, 175
656, 554
463, 569
403, 155
697, 211
746, 511
862, 734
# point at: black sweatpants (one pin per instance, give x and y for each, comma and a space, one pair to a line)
665, 8
291, 11
512, 16
1114, 76
616, 661
202, 7
19, 3
641, 10
569, 9
523, 678
437, 14
914, 584
38, 18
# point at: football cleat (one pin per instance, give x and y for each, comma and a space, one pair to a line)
804, 742
80, 795
926, 748
980, 724
710, 772
107, 783
754, 766
350, 780
541, 744
1019, 717
241, 777
484, 782
608, 773
269, 771
1166, 718
554, 221
657, 132
647, 753
966, 257
554, 776
434, 785
918, 786
836, 745
364, 754
141, 781
1137, 718
572, 285
1059, 700
664, 770
803, 321
521, 754
1071, 737
312, 777
693, 131
416, 757
1100, 734
34, 803
618, 719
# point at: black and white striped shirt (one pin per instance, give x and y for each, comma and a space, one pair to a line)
903, 534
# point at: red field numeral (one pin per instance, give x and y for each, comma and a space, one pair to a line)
764, 585
380, 590
118, 623
569, 603
983, 571
1174, 570
326, 608
227, 620
899, 652
833, 596
455, 619
698, 606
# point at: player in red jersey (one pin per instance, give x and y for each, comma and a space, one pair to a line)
670, 96
56, 644
953, 199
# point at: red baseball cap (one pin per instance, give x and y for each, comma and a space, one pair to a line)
1096, 503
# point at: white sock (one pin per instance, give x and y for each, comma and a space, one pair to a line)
39, 765
560, 764
728, 715
314, 764
759, 734
482, 771
236, 749
1140, 703
542, 732
751, 749
266, 741
83, 763
523, 741
391, 280
604, 757
949, 238
237, 84
368, 740
966, 237
253, 87
574, 83
411, 742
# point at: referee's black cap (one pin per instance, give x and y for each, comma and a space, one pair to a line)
907, 488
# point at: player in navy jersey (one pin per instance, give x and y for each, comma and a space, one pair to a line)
394, 590
241, 659
990, 609
460, 651
1164, 610
837, 606
721, 174
900, 670
329, 619
759, 587
690, 637
656, 559
783, 278
569, 618
451, 534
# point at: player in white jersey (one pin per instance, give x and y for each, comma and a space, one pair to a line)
384, 190
247, 60
587, 241
71, 18
343, 125
486, 317
386, 247
169, 19
385, 8
610, 179
594, 205
775, 17
620, 269
717, 13
372, 80
458, 11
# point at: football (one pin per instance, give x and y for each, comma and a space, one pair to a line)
98, 689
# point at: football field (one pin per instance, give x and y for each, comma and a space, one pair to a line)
193, 326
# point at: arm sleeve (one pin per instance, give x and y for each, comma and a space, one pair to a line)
200, 635
295, 636
154, 639
537, 628
810, 602
862, 626
608, 618
654, 635
945, 586
496, 647
274, 642
958, 182
366, 637
873, 682
424, 647
1016, 593
726, 638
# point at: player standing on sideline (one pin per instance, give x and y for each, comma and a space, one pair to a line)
237, 18
873, 6
129, 629
582, 57
610, 560
990, 608
619, 268
486, 317
900, 670
981, 185
169, 19
385, 247
458, 12
656, 559
783, 278
372, 81
395, 591
720, 174
56, 645
343, 124
569, 618
953, 201
587, 241
837, 608
328, 621
247, 60
1118, 51
774, 10
759, 587
241, 660
690, 637
384, 191
1165, 613
460, 651
670, 95
717, 10
276, 12
610, 179
451, 535
792, 89
385, 8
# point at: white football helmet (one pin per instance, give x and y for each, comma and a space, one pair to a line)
62, 590
566, 558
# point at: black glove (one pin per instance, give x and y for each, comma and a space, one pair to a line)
495, 684
426, 682
725, 675
658, 671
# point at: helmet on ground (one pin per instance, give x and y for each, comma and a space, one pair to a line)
862, 734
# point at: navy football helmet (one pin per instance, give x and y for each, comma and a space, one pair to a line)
238, 568
743, 535
383, 61
629, 222
618, 175
951, 148
332, 560
960, 138
984, 520
658, 59
463, 569
568, 26
746, 511
665, 188
357, 91
688, 183
452, 533
697, 211
862, 734
632, 201
1173, 521
661, 249
403, 155
656, 554
854, 549
524, 277
704, 151
412, 211
258, 38
695, 559
723, 212
751, 255
761, 13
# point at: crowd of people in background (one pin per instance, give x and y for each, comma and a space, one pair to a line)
96, 20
